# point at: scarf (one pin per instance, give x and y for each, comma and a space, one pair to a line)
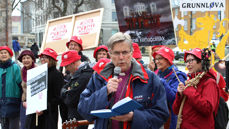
24, 72
6, 64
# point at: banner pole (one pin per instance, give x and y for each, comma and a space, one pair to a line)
36, 119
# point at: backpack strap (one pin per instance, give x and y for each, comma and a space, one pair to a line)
217, 78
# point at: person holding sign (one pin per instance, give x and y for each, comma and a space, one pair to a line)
48, 119
109, 86
167, 72
81, 73
76, 44
27, 58
10, 86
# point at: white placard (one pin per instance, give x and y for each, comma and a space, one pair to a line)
202, 5
59, 32
37, 89
87, 26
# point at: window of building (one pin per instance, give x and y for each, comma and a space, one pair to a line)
114, 31
177, 28
224, 24
193, 12
193, 24
14, 29
185, 25
153, 7
185, 13
114, 16
112, 1
176, 12
214, 36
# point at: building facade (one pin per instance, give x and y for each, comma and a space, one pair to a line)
41, 11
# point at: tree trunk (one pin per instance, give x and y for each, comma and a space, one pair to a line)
6, 23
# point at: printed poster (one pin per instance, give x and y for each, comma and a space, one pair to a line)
149, 22
37, 89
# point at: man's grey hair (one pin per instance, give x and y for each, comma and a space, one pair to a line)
117, 38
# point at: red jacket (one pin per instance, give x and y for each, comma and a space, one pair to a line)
200, 104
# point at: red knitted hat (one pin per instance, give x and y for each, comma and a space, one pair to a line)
8, 49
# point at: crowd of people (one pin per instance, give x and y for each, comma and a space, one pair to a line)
80, 86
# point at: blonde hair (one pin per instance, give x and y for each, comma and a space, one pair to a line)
117, 38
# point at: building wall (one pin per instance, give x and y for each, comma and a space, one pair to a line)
16, 25
5, 40
109, 25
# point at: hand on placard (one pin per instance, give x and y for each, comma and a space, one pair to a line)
39, 113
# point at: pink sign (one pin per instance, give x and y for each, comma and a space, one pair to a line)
58, 32
86, 26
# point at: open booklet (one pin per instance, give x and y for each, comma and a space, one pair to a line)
123, 106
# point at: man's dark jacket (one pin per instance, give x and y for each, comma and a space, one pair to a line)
77, 83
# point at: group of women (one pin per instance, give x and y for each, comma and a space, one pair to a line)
201, 97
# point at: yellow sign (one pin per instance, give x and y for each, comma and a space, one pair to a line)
202, 37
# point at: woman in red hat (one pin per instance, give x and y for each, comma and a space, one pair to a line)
48, 119
101, 52
201, 96
164, 59
27, 58
152, 65
10, 90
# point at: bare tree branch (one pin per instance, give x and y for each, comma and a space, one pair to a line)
13, 3
65, 6
77, 5
57, 7
14, 6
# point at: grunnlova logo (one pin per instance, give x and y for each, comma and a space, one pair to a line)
203, 5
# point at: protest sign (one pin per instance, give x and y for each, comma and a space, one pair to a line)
86, 25
148, 22
37, 89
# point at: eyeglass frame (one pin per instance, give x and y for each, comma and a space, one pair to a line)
190, 61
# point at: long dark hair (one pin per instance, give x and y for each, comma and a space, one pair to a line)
205, 56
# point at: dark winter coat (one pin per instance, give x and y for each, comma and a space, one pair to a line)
83, 57
34, 48
77, 83
49, 118
144, 87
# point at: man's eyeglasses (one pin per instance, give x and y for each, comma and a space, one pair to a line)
117, 53
189, 61
159, 59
